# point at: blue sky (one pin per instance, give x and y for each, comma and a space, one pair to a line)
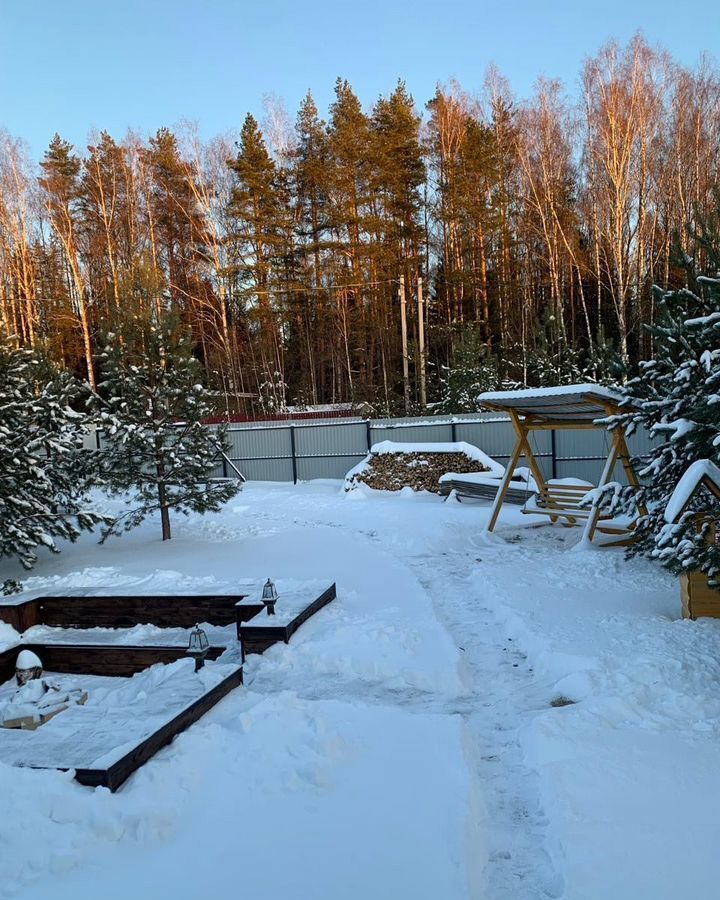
75, 65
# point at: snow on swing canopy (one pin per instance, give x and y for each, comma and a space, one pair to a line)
564, 406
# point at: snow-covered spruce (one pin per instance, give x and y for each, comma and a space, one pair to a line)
44, 472
677, 397
151, 405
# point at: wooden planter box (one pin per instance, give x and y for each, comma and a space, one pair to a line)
120, 771
698, 598
121, 611
262, 631
124, 661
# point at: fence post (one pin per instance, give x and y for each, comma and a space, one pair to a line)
368, 434
453, 431
553, 453
224, 464
292, 450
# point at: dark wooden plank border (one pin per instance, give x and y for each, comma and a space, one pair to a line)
121, 660
246, 611
127, 610
256, 638
21, 615
7, 661
120, 771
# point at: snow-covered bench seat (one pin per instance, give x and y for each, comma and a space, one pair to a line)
562, 498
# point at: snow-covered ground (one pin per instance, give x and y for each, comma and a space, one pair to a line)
403, 745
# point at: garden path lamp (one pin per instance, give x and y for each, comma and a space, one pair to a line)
269, 596
198, 647
27, 667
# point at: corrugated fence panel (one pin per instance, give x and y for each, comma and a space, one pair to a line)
266, 469
251, 443
261, 454
582, 453
331, 440
412, 434
587, 469
328, 449
414, 420
326, 467
583, 443
495, 438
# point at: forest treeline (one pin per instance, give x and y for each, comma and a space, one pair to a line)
534, 229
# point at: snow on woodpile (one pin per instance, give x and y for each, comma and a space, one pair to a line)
392, 466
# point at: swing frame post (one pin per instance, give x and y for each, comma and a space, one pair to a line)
522, 448
608, 469
568, 407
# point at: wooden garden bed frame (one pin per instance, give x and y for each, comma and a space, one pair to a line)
122, 610
123, 661
573, 407
114, 775
115, 660
257, 631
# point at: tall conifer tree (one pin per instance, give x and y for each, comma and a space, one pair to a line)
151, 406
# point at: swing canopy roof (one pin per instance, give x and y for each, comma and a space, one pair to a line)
565, 406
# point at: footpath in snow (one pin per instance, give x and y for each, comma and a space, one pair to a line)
404, 743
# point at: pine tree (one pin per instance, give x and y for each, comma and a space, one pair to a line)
101, 205
473, 369
44, 472
177, 227
151, 405
677, 397
256, 214
61, 191
398, 171
348, 214
311, 335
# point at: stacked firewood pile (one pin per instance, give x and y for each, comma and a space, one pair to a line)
419, 471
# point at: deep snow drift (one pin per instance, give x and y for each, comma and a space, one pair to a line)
403, 744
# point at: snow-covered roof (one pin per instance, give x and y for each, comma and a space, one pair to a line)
702, 471
563, 405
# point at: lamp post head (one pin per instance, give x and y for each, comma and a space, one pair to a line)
198, 647
269, 596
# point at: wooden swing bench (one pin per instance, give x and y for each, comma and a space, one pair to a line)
565, 407
562, 502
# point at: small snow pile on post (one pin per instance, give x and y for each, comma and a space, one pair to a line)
391, 467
